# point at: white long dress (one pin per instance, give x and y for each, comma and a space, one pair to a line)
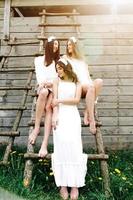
69, 164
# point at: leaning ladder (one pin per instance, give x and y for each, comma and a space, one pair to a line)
14, 131
30, 155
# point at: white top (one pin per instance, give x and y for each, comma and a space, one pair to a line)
44, 73
81, 70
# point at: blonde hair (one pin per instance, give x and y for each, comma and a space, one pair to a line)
76, 52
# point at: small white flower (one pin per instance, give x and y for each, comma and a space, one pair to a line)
73, 39
64, 61
51, 38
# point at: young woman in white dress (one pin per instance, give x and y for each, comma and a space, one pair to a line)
45, 74
90, 89
69, 163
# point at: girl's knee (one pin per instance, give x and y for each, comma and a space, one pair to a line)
48, 108
43, 93
91, 88
98, 82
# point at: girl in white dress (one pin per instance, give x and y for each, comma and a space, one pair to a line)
45, 74
90, 89
69, 164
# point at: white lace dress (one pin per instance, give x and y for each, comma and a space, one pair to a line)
69, 164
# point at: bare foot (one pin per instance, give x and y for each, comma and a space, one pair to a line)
64, 193
93, 127
74, 193
43, 152
33, 135
86, 118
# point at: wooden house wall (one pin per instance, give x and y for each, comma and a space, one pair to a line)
107, 42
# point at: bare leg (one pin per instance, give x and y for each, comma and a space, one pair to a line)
98, 83
90, 101
74, 193
47, 129
40, 105
64, 192
86, 117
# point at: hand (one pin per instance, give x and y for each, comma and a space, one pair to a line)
48, 85
40, 87
55, 102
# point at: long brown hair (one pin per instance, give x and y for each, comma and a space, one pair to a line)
49, 54
76, 52
68, 70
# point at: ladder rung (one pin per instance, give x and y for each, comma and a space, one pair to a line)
13, 107
48, 156
10, 133
32, 123
16, 88
15, 70
58, 38
59, 14
4, 163
33, 94
3, 143
19, 56
45, 24
22, 43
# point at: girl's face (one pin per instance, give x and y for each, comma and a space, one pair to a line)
60, 71
70, 47
55, 46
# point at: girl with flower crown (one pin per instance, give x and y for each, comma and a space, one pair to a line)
90, 89
45, 74
69, 164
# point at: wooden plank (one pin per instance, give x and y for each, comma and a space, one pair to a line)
91, 50
17, 3
6, 33
89, 156
88, 49
10, 133
2, 4
7, 107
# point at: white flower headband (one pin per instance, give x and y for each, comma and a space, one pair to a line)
51, 38
64, 61
73, 39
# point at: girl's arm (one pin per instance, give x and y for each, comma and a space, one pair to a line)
55, 108
71, 101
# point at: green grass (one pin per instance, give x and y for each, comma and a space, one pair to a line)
43, 186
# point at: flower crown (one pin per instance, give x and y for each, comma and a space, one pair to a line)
73, 39
51, 38
64, 61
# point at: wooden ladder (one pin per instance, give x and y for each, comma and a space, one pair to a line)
31, 155
14, 131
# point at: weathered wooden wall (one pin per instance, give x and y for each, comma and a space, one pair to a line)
107, 41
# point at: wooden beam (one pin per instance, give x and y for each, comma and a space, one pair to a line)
17, 70
32, 123
6, 33
48, 156
19, 3
10, 133
16, 88
59, 14
45, 24
13, 107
